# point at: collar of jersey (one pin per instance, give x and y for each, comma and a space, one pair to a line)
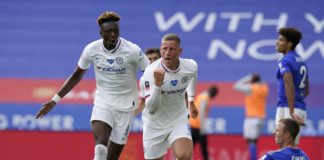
169, 70
113, 50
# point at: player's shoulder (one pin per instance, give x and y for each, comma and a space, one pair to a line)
270, 155
94, 45
128, 45
153, 66
189, 64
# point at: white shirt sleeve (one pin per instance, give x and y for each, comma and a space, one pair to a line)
142, 60
141, 88
191, 89
203, 117
154, 99
263, 157
85, 59
244, 84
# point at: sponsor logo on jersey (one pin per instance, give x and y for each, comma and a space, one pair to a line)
98, 59
174, 82
119, 60
111, 69
110, 61
174, 91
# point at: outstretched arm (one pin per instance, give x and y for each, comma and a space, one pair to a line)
68, 85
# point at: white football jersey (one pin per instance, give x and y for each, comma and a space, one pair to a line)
141, 88
115, 72
172, 106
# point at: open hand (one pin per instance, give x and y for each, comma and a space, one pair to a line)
47, 107
193, 110
299, 120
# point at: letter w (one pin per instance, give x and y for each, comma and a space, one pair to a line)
186, 26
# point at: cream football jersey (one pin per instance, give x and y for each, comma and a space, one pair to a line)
115, 72
171, 105
141, 92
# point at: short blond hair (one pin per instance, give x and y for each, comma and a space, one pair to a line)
108, 17
171, 37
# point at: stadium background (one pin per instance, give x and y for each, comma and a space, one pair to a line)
41, 41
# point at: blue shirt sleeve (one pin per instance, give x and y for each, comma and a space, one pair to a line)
284, 67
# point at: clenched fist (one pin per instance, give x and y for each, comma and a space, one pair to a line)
159, 77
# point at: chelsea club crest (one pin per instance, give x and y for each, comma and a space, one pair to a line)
184, 79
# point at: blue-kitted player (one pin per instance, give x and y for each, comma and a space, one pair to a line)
286, 132
292, 75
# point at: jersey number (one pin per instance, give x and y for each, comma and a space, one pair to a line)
303, 72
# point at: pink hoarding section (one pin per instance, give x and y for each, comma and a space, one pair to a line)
39, 91
79, 145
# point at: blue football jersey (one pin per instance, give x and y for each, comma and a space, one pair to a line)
286, 154
294, 64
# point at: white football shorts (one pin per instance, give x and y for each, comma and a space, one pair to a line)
156, 147
252, 127
120, 122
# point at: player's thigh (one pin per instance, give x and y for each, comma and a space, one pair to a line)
249, 129
301, 113
155, 148
252, 128
281, 113
180, 139
182, 147
101, 124
121, 128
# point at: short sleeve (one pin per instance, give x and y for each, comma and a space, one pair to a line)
85, 59
141, 88
284, 67
142, 60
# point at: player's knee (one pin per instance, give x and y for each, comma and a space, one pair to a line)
184, 155
100, 152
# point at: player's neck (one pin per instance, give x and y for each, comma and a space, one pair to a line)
109, 47
290, 144
171, 67
286, 52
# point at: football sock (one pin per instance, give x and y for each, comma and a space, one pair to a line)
100, 152
253, 151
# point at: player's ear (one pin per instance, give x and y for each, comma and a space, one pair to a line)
290, 44
287, 134
180, 51
100, 33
